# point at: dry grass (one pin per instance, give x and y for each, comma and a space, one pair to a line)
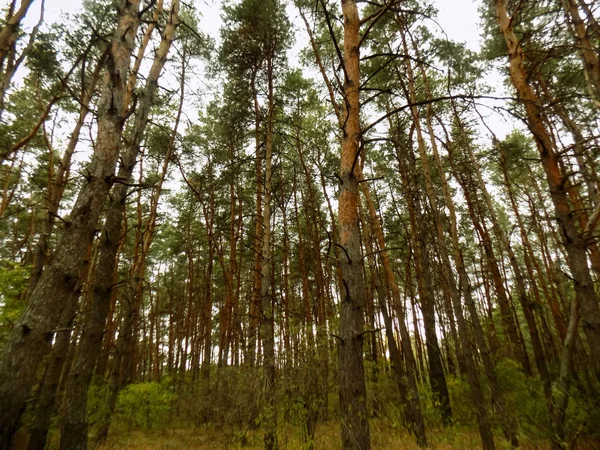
327, 438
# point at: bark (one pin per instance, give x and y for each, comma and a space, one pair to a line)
75, 426
57, 186
33, 332
574, 243
267, 326
352, 387
589, 57
48, 394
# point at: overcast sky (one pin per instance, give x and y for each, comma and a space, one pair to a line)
458, 18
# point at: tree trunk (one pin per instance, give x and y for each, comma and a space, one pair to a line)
352, 387
30, 338
573, 241
57, 187
267, 326
75, 425
404, 378
47, 397
10, 33
255, 296
591, 63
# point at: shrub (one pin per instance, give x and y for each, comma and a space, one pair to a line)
145, 405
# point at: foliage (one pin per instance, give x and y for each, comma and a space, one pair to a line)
146, 405
13, 281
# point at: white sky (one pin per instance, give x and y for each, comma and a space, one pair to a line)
458, 18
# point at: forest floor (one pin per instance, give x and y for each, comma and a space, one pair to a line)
327, 438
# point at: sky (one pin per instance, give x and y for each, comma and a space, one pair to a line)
459, 19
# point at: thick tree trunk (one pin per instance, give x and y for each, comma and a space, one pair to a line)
75, 425
47, 397
30, 338
352, 387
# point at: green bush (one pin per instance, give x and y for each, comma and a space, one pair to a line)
463, 412
145, 405
13, 281
524, 400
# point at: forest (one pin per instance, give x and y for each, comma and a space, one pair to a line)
327, 225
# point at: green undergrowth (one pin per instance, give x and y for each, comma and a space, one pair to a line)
224, 412
327, 437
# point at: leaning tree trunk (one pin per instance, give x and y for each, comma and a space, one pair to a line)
589, 57
32, 334
519, 279
47, 397
436, 371
75, 425
574, 242
10, 32
57, 188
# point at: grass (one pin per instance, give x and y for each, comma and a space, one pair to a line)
326, 438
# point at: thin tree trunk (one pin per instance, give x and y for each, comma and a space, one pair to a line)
255, 297
9, 62
404, 378
267, 326
209, 216
573, 241
589, 57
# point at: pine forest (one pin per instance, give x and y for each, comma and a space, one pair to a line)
299, 224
